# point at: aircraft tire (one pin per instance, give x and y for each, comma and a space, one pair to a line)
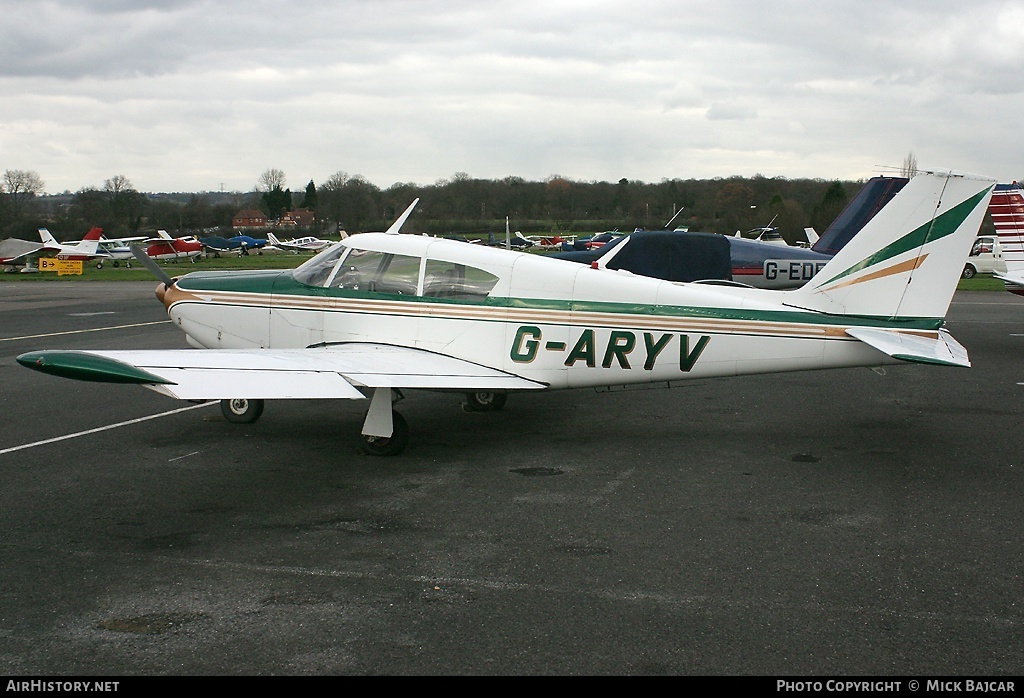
99, 265
241, 410
482, 401
968, 272
391, 446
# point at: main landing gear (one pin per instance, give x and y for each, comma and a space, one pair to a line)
385, 432
388, 445
484, 402
241, 411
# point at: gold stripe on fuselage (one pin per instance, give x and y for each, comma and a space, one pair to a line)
520, 316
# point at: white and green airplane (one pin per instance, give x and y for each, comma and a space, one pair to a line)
379, 313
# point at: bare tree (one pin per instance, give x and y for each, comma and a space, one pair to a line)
270, 180
117, 184
125, 202
909, 168
18, 187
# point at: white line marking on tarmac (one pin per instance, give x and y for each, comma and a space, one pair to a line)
104, 312
106, 428
94, 329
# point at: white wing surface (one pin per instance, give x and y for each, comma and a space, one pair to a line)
337, 371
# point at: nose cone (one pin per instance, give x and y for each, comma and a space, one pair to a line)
169, 294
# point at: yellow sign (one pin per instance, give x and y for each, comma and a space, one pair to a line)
63, 267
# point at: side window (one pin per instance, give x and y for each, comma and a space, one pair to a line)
378, 272
981, 246
457, 281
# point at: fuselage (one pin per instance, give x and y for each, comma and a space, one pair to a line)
175, 248
552, 321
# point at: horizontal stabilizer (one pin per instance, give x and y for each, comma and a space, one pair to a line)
1016, 279
907, 346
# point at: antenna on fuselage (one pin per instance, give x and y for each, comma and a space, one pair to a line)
674, 216
397, 225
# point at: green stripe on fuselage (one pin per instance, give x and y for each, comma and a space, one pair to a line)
281, 284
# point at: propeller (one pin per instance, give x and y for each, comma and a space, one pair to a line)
154, 268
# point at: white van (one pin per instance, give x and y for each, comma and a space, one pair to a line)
986, 257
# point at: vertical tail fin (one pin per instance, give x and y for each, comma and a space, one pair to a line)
47, 238
273, 239
91, 242
906, 261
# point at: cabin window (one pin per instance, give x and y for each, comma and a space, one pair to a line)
378, 272
456, 281
316, 271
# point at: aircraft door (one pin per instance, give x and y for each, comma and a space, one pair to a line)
608, 343
537, 330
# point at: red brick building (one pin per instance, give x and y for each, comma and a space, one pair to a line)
300, 217
249, 218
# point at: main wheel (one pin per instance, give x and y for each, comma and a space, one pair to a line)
241, 410
389, 445
968, 272
99, 265
485, 402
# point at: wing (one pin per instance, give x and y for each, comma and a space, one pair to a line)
337, 371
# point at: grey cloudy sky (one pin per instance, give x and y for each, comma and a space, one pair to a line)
195, 95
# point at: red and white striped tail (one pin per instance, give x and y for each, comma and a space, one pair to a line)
1007, 210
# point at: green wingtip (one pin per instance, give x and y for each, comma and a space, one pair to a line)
84, 366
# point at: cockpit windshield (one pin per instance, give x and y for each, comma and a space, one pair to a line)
316, 271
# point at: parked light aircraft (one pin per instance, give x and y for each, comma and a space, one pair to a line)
380, 313
303, 244
1007, 211
163, 246
86, 248
686, 256
15, 252
116, 250
238, 244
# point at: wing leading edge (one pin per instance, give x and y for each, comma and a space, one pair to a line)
336, 371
